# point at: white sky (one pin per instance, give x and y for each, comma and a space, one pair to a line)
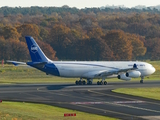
77, 3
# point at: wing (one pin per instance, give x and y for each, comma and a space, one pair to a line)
108, 73
16, 63
37, 64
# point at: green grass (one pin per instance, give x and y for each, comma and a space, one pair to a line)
152, 93
29, 111
11, 74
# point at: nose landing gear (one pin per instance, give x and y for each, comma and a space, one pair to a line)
142, 77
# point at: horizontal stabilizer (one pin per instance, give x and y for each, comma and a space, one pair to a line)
16, 63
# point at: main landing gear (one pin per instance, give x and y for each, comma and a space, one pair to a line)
80, 82
90, 81
103, 82
142, 77
83, 82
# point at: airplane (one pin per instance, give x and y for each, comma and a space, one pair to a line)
89, 70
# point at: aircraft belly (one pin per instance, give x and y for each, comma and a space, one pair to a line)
144, 72
68, 72
74, 71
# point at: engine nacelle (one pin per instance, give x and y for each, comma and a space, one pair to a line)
133, 74
123, 77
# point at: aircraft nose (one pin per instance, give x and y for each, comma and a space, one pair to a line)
152, 70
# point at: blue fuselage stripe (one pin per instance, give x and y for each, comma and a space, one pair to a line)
87, 65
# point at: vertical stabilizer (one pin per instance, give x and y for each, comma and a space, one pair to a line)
35, 51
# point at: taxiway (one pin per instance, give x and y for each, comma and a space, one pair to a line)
94, 99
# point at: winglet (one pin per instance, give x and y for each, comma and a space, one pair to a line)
135, 66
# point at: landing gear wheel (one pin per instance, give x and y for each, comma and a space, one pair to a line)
141, 81
77, 82
105, 83
84, 82
98, 83
89, 83
101, 83
80, 82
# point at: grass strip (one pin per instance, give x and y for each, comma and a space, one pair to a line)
30, 111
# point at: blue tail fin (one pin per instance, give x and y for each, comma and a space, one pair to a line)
35, 51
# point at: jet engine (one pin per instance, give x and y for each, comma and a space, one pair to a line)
133, 74
123, 77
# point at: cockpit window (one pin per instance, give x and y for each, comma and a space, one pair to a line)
142, 65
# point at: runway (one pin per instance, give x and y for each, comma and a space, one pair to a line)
94, 99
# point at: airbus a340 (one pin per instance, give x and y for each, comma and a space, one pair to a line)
89, 70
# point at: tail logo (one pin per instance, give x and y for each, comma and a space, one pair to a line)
34, 48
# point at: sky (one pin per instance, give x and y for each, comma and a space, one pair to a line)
77, 3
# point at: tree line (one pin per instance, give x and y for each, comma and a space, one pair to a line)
81, 34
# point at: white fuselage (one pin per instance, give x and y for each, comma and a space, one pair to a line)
89, 68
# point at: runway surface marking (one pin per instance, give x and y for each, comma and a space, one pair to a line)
105, 110
139, 108
129, 102
89, 86
151, 117
86, 103
39, 89
68, 95
51, 92
129, 106
115, 102
82, 104
121, 97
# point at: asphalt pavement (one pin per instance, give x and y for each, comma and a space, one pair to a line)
96, 99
